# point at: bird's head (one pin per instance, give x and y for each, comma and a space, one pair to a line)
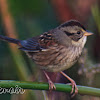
72, 32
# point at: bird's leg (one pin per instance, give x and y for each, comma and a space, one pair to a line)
51, 84
72, 83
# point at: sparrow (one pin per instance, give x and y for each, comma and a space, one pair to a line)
55, 50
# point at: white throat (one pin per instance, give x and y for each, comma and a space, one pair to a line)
81, 42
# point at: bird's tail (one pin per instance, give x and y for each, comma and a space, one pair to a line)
11, 40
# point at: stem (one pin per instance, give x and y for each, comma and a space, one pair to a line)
44, 86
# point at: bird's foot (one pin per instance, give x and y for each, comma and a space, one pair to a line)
73, 84
51, 85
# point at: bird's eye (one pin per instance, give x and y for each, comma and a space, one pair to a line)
78, 32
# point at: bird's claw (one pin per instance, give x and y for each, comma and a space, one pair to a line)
73, 84
51, 85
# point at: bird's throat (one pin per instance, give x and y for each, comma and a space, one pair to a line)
81, 42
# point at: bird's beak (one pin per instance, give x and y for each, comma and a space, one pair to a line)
88, 33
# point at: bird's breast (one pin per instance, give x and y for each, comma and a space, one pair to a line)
57, 58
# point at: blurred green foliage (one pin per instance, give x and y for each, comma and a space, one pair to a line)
96, 15
31, 7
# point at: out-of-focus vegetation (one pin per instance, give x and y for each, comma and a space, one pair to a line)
27, 18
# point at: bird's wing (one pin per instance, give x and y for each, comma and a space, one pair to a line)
47, 39
30, 45
36, 44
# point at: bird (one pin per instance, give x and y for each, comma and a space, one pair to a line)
55, 50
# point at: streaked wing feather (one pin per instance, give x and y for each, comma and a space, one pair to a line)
30, 45
35, 44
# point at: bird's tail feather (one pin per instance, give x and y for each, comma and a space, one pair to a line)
11, 40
